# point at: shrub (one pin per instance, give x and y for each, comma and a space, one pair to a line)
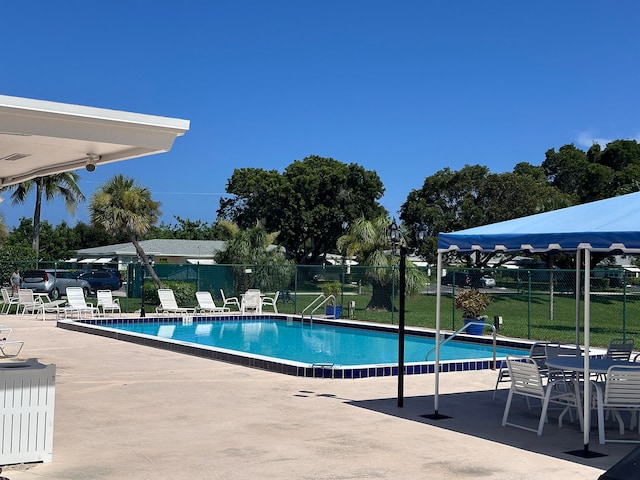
332, 288
184, 292
472, 302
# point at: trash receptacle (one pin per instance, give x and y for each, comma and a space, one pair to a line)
27, 398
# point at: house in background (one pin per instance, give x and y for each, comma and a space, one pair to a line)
170, 251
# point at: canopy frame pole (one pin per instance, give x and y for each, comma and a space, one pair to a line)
577, 295
436, 415
436, 372
587, 347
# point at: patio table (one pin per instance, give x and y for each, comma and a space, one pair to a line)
576, 364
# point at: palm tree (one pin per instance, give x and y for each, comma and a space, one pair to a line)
64, 185
3, 225
122, 206
253, 247
367, 240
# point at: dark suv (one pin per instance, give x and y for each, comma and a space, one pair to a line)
106, 279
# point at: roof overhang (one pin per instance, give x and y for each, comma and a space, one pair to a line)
42, 138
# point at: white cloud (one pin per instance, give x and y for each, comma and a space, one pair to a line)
586, 139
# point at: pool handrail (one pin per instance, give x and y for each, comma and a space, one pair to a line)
484, 324
323, 299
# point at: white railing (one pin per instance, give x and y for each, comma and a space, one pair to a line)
317, 303
484, 324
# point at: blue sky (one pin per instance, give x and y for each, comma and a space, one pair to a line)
403, 88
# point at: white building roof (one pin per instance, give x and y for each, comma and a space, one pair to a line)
189, 249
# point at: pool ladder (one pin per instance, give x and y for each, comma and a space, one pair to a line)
484, 324
317, 303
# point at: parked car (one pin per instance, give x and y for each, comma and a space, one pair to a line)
105, 279
461, 279
52, 282
487, 281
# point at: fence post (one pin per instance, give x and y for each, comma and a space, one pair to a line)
453, 303
529, 304
295, 289
624, 304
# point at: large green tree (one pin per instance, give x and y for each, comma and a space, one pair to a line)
455, 200
120, 205
368, 242
185, 229
311, 203
63, 185
597, 173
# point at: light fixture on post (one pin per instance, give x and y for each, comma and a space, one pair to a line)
421, 233
395, 238
91, 162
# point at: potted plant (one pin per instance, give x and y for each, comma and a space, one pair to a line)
472, 303
332, 288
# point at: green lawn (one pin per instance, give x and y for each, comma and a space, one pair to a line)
611, 316
523, 316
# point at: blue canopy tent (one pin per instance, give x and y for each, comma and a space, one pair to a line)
611, 225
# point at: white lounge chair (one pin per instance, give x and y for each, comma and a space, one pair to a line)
10, 348
229, 300
271, 301
107, 303
251, 302
206, 304
77, 304
168, 303
527, 382
7, 301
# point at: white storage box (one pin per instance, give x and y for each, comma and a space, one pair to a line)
27, 397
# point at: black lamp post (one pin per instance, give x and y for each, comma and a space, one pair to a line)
142, 267
394, 237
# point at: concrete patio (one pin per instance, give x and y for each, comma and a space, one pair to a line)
128, 411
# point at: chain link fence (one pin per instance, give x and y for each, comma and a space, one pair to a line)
535, 304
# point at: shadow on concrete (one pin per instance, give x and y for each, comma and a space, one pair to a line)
477, 415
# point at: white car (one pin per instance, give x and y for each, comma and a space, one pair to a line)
487, 282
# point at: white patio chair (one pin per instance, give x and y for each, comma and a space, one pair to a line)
168, 303
621, 392
620, 349
527, 382
251, 302
7, 301
29, 303
537, 352
229, 300
107, 302
77, 304
206, 304
271, 301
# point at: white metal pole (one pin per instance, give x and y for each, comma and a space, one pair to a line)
587, 346
438, 308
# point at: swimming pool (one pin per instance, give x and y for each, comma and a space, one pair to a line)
286, 345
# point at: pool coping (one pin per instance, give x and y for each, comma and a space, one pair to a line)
289, 367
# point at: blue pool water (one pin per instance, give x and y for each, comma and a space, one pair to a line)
312, 344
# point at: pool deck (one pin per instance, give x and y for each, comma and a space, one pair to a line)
128, 411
